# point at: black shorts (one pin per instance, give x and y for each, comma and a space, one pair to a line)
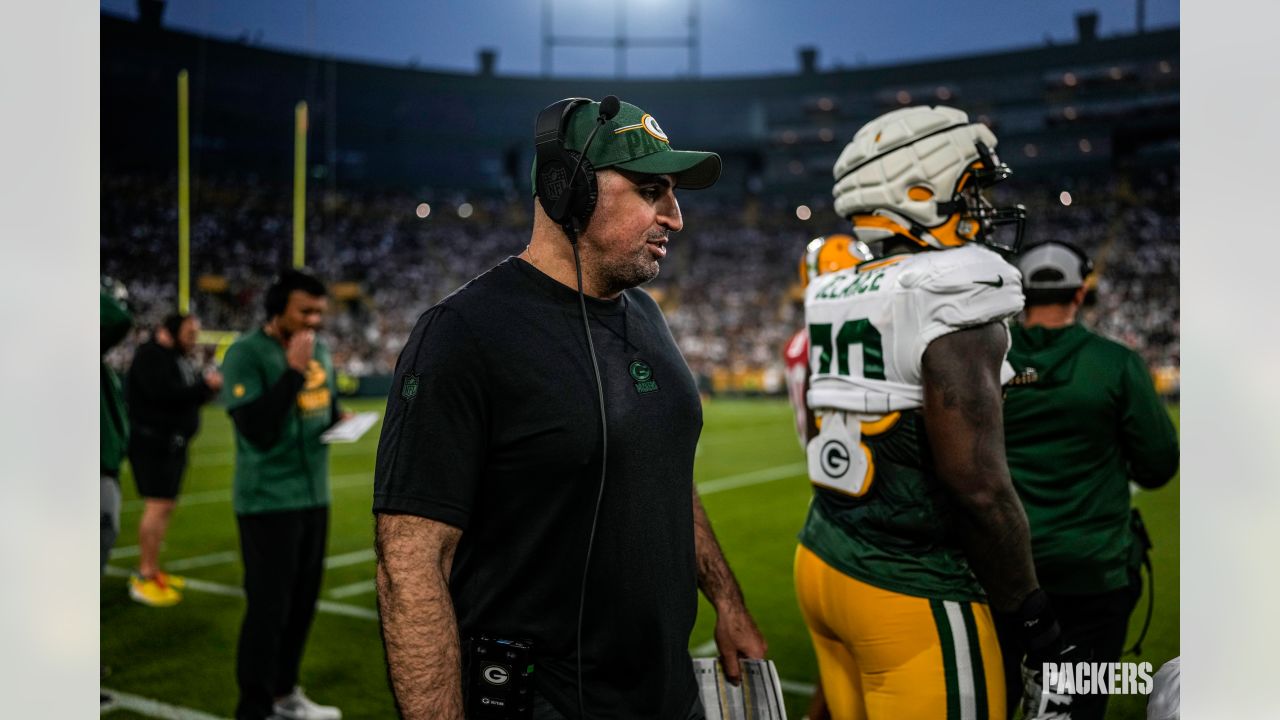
158, 462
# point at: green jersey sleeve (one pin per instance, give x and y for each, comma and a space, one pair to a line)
242, 377
1150, 441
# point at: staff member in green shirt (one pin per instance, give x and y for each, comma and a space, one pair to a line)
278, 386
1081, 420
113, 420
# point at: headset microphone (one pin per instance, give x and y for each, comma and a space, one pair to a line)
609, 107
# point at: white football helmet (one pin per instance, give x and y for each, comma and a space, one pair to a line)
918, 173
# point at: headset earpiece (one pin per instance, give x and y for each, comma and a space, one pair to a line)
556, 164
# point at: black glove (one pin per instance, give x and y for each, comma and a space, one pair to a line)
1041, 637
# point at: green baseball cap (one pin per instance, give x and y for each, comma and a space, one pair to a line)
634, 141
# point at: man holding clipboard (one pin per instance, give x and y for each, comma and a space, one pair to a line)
280, 391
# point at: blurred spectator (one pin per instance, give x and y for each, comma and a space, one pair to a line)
165, 391
724, 287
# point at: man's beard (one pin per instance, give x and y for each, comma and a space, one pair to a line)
614, 273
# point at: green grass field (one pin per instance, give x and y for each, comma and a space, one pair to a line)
749, 469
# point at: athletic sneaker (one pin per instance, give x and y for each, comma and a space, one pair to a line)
153, 592
177, 582
300, 707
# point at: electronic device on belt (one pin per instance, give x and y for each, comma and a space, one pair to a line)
499, 679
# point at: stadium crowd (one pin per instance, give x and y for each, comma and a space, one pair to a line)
728, 288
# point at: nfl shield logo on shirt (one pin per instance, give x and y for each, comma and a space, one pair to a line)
409, 389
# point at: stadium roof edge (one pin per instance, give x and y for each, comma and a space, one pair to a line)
1070, 52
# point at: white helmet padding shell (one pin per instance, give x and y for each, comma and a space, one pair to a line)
915, 147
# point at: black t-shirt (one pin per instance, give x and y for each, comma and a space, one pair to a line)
493, 426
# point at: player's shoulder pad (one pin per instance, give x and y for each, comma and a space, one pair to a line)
950, 270
968, 285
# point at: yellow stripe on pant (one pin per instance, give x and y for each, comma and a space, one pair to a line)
883, 655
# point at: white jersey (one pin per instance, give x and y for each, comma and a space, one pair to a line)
869, 325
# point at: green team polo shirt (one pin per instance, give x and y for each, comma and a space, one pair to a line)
1081, 419
113, 420
294, 473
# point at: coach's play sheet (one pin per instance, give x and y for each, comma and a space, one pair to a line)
758, 697
351, 429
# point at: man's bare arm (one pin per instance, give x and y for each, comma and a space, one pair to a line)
965, 422
419, 627
736, 633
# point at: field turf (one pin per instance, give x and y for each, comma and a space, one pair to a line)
749, 470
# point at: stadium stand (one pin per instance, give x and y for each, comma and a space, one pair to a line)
1096, 119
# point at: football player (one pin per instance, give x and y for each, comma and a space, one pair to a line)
915, 533
826, 254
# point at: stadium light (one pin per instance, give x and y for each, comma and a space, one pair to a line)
1064, 197
465, 210
803, 212
422, 210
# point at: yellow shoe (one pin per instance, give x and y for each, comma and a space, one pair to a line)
177, 582
152, 592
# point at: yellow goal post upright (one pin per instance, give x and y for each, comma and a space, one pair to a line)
184, 197
300, 184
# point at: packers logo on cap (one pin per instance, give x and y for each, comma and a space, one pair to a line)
649, 124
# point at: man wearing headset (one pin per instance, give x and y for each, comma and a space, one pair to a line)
278, 387
534, 485
1082, 419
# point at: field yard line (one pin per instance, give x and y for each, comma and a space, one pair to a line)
125, 552
702, 650
153, 708
755, 477
797, 688
356, 588
217, 458
199, 561
355, 611
337, 482
351, 558
336, 608
325, 606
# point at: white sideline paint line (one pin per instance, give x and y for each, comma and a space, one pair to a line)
125, 552
355, 611
704, 649
356, 588
340, 482
152, 708
223, 458
337, 482
756, 477
212, 588
351, 558
797, 688
336, 608
199, 561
